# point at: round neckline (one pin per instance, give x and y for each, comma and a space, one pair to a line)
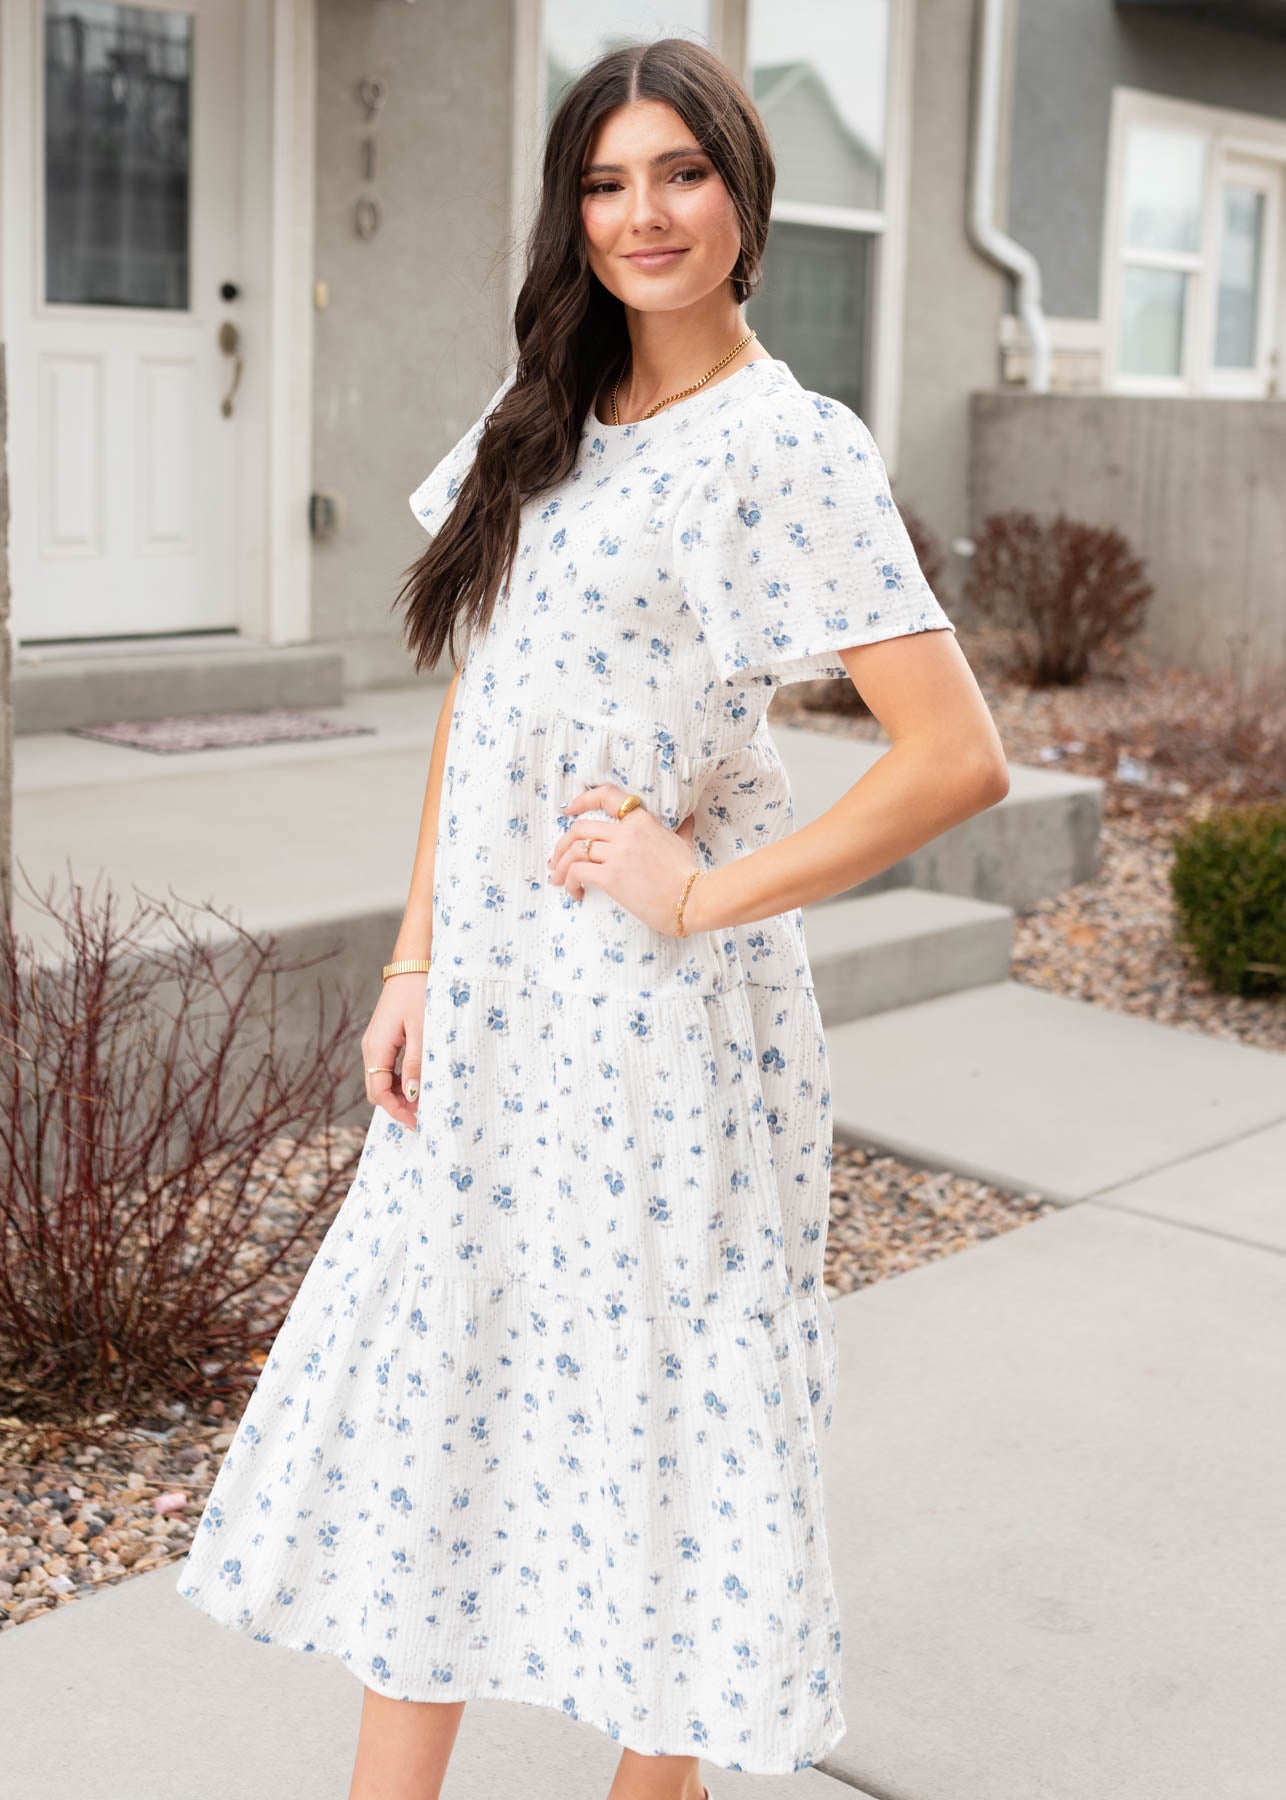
679, 409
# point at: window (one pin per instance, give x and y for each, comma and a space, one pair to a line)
1193, 290
577, 32
118, 105
817, 70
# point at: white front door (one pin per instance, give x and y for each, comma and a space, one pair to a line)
124, 317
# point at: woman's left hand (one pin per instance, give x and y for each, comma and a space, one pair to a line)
639, 862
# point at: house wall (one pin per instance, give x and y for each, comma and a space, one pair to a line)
413, 340
1197, 487
6, 641
954, 295
6, 662
1069, 56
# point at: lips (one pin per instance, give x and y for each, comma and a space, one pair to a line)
658, 255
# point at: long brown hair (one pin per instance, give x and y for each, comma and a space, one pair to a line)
570, 331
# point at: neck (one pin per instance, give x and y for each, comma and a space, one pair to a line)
671, 350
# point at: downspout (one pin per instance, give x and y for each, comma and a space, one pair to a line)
986, 234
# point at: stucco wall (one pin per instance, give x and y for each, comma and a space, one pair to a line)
6, 661
6, 646
1069, 56
414, 339
1197, 486
954, 295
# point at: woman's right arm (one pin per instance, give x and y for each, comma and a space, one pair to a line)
398, 1020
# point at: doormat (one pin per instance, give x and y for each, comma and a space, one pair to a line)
219, 731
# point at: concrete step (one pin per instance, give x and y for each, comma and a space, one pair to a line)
893, 948
314, 842
1041, 839
1037, 1091
57, 686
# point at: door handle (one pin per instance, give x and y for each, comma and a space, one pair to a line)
230, 344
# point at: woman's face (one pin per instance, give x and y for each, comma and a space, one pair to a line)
647, 188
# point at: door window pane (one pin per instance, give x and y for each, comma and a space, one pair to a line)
814, 308
1152, 302
817, 75
1164, 168
577, 32
1240, 256
118, 113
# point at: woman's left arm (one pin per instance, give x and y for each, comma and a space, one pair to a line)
944, 764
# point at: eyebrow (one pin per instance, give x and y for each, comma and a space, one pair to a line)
664, 156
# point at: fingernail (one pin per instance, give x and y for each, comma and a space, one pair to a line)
412, 1089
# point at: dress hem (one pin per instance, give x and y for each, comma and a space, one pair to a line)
317, 1647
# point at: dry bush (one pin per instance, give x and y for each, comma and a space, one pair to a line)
149, 1101
1067, 589
1239, 739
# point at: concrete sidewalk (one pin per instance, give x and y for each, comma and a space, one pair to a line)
1057, 1519
1027, 1089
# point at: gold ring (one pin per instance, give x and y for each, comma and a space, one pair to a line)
585, 844
627, 805
380, 1071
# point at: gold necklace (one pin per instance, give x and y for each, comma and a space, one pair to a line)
683, 392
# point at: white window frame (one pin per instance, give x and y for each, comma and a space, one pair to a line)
1232, 138
888, 224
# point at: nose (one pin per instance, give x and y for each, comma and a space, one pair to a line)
646, 212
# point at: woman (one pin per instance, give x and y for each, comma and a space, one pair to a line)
542, 1422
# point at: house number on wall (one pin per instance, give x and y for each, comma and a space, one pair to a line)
366, 214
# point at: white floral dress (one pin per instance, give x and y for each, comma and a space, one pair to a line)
542, 1421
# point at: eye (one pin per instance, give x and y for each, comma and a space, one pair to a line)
605, 186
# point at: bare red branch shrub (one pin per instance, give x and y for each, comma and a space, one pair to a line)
152, 1089
1068, 589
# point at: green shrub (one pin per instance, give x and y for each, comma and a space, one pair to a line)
1228, 879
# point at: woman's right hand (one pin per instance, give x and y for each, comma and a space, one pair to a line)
396, 1024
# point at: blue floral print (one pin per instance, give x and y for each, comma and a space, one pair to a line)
542, 1421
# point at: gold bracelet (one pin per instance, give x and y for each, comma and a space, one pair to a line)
681, 902
410, 965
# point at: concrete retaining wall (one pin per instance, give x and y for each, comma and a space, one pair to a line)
1197, 485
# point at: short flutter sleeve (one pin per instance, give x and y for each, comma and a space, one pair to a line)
789, 546
432, 500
